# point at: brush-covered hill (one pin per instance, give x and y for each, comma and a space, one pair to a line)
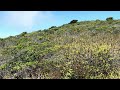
77, 50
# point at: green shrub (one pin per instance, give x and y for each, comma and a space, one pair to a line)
73, 21
109, 18
52, 27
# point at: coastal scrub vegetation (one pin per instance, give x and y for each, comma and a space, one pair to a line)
78, 50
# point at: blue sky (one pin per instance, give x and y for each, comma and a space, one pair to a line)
15, 22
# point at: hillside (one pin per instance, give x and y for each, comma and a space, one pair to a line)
77, 50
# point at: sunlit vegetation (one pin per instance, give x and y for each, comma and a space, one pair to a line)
78, 50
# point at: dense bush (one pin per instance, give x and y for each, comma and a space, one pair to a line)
23, 33
52, 27
73, 21
109, 18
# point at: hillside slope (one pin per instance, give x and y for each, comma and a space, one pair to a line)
87, 49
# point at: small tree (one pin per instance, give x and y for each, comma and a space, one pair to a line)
1, 39
23, 33
109, 19
73, 21
52, 27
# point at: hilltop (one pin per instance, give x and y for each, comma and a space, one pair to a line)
77, 50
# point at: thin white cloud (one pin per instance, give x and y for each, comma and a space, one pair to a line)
27, 19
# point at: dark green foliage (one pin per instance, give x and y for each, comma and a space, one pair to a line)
73, 21
52, 27
109, 18
23, 33
1, 39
